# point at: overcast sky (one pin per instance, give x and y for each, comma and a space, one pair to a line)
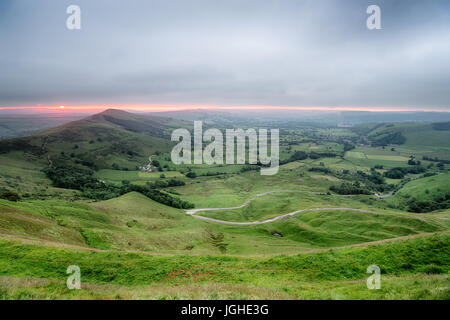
226, 53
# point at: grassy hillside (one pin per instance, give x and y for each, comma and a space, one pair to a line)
135, 204
131, 222
276, 204
325, 275
135, 223
113, 139
424, 195
417, 138
425, 188
99, 141
326, 228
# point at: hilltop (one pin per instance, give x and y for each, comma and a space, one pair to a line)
112, 139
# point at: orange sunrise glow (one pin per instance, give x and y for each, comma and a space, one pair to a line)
166, 107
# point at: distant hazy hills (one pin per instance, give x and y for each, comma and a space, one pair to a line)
19, 125
14, 124
126, 140
223, 116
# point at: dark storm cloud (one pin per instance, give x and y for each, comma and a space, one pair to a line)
246, 52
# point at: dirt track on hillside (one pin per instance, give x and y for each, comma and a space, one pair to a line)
284, 216
192, 212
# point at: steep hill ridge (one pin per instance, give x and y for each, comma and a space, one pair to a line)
99, 141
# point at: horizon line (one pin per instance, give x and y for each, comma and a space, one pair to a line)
175, 107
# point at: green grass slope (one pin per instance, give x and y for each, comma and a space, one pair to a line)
425, 188
325, 275
424, 195
278, 203
326, 228
134, 204
112, 139
419, 138
340, 228
130, 222
133, 222
112, 136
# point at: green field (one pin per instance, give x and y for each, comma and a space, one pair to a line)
134, 176
424, 189
370, 157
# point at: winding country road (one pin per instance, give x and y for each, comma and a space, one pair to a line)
193, 212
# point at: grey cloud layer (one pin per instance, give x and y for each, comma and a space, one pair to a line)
255, 52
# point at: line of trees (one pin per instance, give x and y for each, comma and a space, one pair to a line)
436, 160
83, 180
360, 182
400, 172
301, 155
439, 202
9, 195
349, 188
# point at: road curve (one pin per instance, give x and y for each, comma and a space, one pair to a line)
287, 215
192, 212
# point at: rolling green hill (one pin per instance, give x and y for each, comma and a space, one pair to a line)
130, 222
411, 269
112, 139
425, 188
133, 222
420, 139
424, 195
112, 136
